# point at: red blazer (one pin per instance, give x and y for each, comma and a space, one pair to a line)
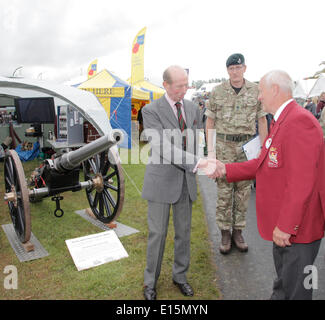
290, 177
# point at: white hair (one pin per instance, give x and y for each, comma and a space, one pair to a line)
281, 78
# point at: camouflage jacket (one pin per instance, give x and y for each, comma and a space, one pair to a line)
235, 113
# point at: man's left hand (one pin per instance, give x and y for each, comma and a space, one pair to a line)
281, 238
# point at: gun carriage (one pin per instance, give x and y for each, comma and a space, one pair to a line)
98, 162
103, 182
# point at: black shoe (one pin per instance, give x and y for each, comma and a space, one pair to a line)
149, 293
185, 288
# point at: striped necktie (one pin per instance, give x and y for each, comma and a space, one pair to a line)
180, 118
181, 121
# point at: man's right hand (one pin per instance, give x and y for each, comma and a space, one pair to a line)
213, 168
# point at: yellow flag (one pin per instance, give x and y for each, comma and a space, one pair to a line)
92, 69
137, 61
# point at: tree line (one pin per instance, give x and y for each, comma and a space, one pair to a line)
198, 83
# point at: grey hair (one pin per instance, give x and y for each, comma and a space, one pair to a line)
281, 78
167, 75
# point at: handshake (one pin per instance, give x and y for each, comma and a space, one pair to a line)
212, 167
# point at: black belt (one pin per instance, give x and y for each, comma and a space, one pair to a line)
234, 137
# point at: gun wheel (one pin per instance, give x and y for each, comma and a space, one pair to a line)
106, 196
17, 196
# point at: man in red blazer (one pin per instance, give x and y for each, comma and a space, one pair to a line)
290, 186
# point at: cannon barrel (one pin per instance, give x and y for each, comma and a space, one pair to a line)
72, 159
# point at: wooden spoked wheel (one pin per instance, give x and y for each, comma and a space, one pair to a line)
106, 196
17, 196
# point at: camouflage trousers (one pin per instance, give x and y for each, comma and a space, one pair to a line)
232, 201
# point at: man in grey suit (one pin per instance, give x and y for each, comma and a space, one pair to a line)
170, 123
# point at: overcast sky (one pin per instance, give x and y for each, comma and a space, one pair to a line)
57, 39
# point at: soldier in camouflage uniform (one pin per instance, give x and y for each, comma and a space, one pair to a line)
233, 112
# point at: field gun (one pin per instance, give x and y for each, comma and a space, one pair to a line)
103, 182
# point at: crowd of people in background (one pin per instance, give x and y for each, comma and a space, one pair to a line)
315, 105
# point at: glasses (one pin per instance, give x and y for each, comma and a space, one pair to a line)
234, 68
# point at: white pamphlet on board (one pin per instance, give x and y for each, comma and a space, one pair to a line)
252, 148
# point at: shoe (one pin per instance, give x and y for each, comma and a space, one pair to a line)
7, 141
185, 288
238, 240
149, 293
225, 245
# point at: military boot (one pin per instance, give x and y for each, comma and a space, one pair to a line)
238, 240
225, 245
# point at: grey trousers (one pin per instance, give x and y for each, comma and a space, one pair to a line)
158, 220
290, 265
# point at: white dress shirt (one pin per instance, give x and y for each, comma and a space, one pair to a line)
279, 111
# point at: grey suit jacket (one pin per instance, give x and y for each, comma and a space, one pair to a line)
169, 163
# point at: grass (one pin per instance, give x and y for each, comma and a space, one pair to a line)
56, 277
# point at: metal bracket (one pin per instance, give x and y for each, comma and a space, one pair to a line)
58, 212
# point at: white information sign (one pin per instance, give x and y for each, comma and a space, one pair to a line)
93, 250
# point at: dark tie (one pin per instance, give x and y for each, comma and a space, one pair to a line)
272, 124
180, 118
181, 121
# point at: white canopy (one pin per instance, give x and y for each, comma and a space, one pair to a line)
75, 82
303, 88
85, 102
189, 94
299, 91
207, 87
318, 87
